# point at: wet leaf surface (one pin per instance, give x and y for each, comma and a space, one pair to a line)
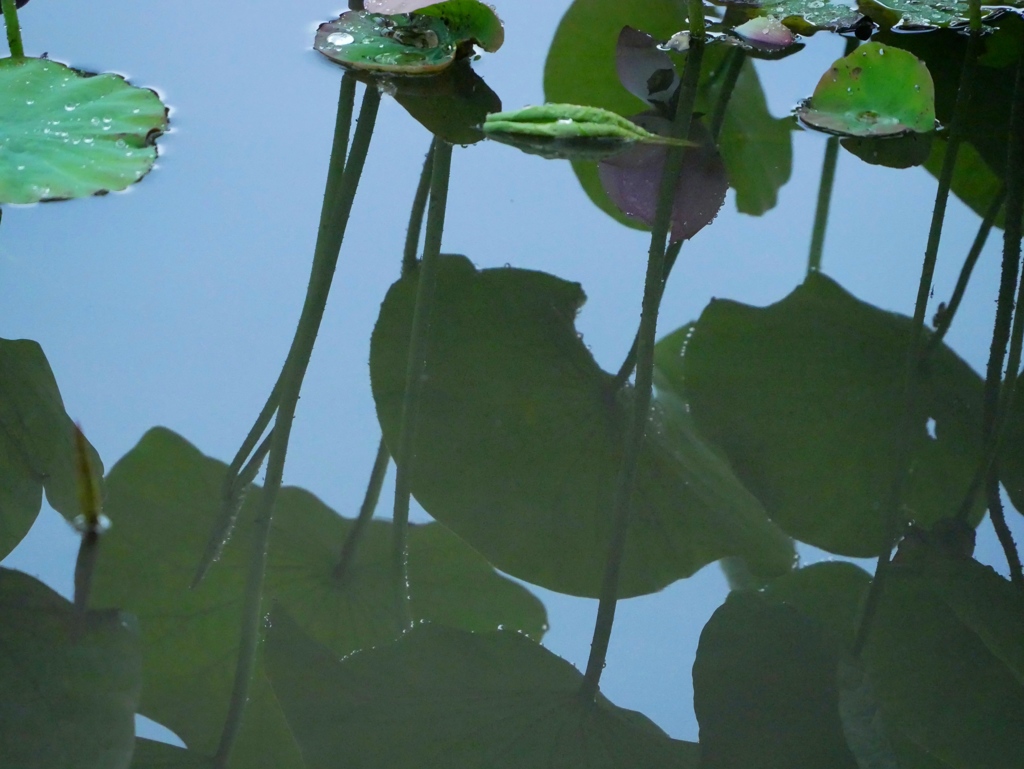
519, 440
37, 447
444, 698
68, 134
877, 90
806, 17
403, 44
163, 497
70, 681
805, 397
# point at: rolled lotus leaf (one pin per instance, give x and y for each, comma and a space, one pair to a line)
569, 131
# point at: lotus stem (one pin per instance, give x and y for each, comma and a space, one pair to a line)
419, 206
405, 454
342, 183
10, 10
638, 416
828, 178
891, 521
355, 534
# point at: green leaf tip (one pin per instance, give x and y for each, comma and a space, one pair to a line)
569, 131
877, 90
69, 134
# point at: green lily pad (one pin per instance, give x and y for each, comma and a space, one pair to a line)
765, 691
70, 681
805, 397
805, 17
877, 90
68, 134
569, 131
470, 21
446, 698
946, 654
408, 44
37, 448
519, 440
918, 14
163, 497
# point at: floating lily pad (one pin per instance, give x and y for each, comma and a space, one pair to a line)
766, 33
805, 397
569, 131
70, 681
163, 497
403, 44
37, 447
946, 654
765, 691
470, 21
519, 440
68, 134
917, 14
805, 17
877, 90
445, 698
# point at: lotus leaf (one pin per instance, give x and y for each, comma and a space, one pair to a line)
68, 134
569, 132
877, 90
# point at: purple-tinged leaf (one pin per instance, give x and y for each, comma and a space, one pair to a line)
632, 180
765, 33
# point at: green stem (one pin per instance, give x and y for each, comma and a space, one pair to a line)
734, 66
637, 417
626, 369
828, 178
85, 566
405, 454
13, 29
355, 534
1003, 533
695, 12
419, 206
945, 317
342, 183
234, 487
892, 519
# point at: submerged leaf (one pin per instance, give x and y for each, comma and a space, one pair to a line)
877, 90
569, 131
445, 698
645, 70
70, 681
69, 134
37, 448
191, 636
806, 398
519, 441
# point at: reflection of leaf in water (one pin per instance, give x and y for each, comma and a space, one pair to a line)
764, 689
946, 654
70, 681
519, 442
633, 179
37, 448
67, 134
904, 151
756, 147
445, 698
877, 90
805, 397
162, 499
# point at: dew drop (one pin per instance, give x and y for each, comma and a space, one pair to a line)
340, 38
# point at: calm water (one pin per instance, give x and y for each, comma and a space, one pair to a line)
174, 304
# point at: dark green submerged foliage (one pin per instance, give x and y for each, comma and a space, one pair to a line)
771, 426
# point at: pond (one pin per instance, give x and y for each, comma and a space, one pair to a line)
802, 422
